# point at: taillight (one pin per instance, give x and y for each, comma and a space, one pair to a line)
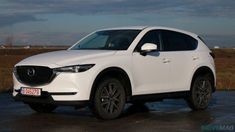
212, 55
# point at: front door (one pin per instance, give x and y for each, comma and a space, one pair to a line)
150, 72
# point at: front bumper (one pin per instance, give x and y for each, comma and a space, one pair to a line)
77, 83
46, 98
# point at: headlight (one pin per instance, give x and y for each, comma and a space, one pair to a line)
75, 68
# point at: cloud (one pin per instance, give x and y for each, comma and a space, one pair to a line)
43, 38
190, 7
27, 10
6, 20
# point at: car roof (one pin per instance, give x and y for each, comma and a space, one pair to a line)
129, 27
151, 28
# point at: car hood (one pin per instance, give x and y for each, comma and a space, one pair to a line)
64, 57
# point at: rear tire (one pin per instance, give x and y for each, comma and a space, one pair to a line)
109, 99
42, 108
201, 92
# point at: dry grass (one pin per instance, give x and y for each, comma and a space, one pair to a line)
225, 65
225, 68
9, 57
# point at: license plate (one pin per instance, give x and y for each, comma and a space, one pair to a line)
31, 91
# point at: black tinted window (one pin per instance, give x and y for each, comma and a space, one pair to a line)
150, 37
175, 41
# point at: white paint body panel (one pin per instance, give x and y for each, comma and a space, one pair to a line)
150, 73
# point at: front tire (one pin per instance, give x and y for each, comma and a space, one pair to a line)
109, 99
201, 92
42, 108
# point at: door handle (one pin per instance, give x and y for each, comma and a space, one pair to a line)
166, 60
195, 58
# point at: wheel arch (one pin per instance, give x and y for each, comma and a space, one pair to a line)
113, 72
204, 70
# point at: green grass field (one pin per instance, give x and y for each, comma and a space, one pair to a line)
225, 65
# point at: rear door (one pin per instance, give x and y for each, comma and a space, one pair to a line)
180, 49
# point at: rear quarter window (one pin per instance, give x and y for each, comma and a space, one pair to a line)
175, 41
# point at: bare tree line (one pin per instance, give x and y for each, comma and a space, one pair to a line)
9, 40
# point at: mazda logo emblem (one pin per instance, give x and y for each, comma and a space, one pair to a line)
31, 72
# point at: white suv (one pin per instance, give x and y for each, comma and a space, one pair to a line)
111, 67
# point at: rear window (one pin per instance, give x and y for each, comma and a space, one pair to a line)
175, 41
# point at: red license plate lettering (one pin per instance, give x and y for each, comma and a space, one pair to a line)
31, 91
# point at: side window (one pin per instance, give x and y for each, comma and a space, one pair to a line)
150, 37
175, 41
191, 42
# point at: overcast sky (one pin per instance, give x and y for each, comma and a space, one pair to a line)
62, 22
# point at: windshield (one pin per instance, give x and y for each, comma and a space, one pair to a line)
108, 40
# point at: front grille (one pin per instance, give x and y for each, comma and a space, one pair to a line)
34, 75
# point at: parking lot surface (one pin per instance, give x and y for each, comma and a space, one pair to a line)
168, 115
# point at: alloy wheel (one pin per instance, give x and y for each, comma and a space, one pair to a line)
110, 98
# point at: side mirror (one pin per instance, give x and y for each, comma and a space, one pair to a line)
148, 47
